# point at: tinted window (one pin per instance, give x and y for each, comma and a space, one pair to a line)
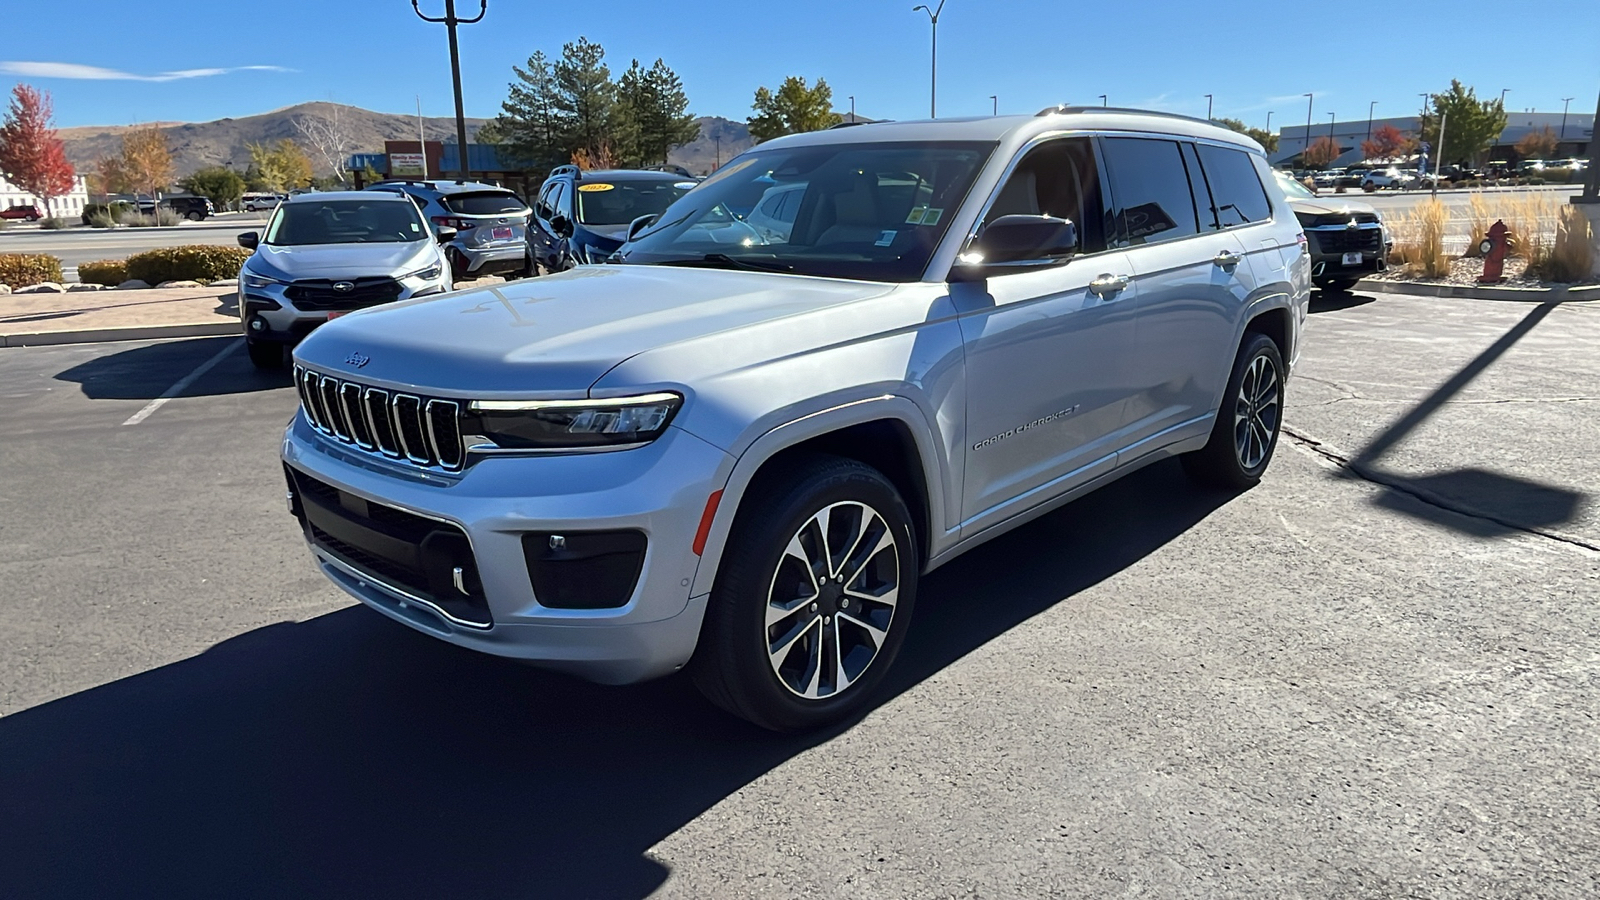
345, 222
1059, 178
561, 201
1150, 189
618, 203
484, 203
1239, 196
1202, 193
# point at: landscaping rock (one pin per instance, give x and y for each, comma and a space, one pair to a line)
133, 284
224, 282
74, 288
179, 284
4, 289
43, 287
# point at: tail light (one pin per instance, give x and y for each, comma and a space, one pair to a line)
453, 222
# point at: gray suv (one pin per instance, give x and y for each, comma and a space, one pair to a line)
490, 224
736, 451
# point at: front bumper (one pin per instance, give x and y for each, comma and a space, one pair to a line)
660, 490
476, 262
282, 321
1329, 248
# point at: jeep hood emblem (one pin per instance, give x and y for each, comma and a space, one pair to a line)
357, 359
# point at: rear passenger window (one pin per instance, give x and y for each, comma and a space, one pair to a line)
1150, 190
1235, 186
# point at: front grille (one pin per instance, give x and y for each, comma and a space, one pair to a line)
1350, 240
320, 293
1342, 220
423, 431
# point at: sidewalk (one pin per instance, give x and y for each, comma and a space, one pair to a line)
89, 316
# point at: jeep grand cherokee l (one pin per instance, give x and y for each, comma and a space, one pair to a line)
737, 455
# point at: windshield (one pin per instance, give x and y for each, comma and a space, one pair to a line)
375, 221
1294, 188
620, 202
873, 211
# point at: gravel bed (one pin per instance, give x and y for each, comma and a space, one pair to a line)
1467, 272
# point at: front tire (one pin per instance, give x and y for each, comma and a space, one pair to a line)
1248, 423
813, 598
265, 355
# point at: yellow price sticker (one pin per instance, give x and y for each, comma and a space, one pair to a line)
594, 188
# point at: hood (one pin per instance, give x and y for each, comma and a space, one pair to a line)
1331, 206
560, 333
342, 260
606, 237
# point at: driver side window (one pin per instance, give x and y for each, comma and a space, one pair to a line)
1058, 178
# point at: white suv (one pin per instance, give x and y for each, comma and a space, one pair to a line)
737, 450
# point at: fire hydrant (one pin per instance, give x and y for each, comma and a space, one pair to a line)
1494, 248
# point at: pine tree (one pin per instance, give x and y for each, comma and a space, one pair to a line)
585, 97
529, 124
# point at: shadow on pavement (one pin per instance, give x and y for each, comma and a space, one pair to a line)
1333, 301
146, 372
346, 756
1509, 503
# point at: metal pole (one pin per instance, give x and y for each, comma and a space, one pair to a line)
933, 81
1422, 127
1269, 122
1565, 102
1503, 92
852, 107
1591, 185
1209, 101
995, 99
1102, 100
1370, 107
422, 140
1438, 155
1331, 117
450, 22
1309, 100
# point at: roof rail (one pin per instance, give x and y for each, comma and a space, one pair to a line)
670, 169
848, 125
1065, 110
568, 169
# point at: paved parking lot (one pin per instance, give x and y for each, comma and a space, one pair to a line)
1372, 676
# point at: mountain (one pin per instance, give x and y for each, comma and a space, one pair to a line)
226, 142
720, 140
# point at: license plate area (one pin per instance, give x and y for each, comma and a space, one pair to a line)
1352, 259
501, 233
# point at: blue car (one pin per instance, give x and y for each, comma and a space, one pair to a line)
583, 217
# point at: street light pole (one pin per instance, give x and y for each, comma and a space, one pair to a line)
450, 22
1503, 92
1591, 185
1102, 100
995, 99
1309, 100
852, 108
933, 81
1565, 102
1269, 122
1331, 118
1370, 107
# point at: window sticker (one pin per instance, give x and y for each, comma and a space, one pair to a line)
886, 238
932, 216
916, 215
594, 188
413, 226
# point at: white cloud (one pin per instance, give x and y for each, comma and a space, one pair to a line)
96, 73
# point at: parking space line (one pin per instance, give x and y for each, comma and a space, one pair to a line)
183, 384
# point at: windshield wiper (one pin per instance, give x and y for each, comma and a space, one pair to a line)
724, 261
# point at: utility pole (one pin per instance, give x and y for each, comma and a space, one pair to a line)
450, 22
933, 81
1370, 107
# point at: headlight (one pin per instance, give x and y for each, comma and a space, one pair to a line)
251, 279
429, 274
569, 424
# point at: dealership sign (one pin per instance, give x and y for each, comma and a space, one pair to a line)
407, 164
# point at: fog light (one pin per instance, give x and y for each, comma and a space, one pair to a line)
258, 324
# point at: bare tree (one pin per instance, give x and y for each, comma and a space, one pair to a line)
327, 138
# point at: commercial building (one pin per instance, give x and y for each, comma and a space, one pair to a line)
1573, 140
437, 160
67, 205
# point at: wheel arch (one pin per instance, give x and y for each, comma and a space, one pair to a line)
888, 433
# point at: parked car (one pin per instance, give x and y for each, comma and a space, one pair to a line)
491, 224
738, 459
1351, 178
194, 209
27, 212
583, 217
1392, 178
257, 202
1346, 238
328, 254
1328, 178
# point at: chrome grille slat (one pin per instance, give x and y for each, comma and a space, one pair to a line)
422, 431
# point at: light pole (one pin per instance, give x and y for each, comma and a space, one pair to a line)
450, 22
1269, 122
1591, 185
1565, 102
1370, 107
1422, 129
995, 99
852, 108
1503, 92
1331, 117
933, 81
1309, 100
1208, 107
1102, 100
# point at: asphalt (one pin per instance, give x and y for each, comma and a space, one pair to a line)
1360, 679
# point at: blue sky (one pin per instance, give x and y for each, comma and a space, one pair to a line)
195, 61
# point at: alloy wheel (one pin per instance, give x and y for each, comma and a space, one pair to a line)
1255, 417
832, 600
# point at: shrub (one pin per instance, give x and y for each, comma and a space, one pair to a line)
22, 269
140, 220
1569, 257
103, 271
54, 223
4, 224
193, 263
100, 218
1528, 216
1419, 240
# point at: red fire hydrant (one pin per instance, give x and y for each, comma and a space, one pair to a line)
1494, 254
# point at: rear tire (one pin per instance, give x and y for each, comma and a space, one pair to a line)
813, 598
265, 355
1248, 422
193, 216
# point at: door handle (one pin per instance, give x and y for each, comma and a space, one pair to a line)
1108, 284
1227, 259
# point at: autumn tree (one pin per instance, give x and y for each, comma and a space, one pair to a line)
328, 138
1471, 126
32, 156
1538, 144
278, 167
1267, 140
1322, 151
792, 109
1387, 142
146, 163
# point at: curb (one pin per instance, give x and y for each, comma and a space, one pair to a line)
1562, 294
129, 333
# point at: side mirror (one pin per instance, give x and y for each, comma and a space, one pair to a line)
445, 234
561, 225
640, 224
1021, 242
250, 240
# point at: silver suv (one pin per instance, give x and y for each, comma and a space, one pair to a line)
736, 451
330, 253
490, 225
